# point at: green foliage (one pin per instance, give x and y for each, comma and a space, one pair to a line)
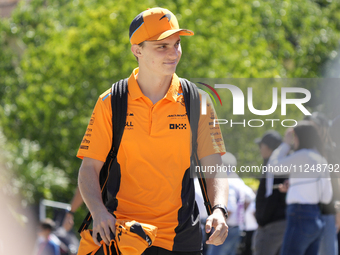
260, 38
252, 183
27, 177
8, 60
57, 57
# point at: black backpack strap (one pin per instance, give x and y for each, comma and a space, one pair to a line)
119, 103
119, 95
192, 105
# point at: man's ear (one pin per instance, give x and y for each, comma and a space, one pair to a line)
135, 48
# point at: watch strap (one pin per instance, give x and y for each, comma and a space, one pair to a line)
223, 208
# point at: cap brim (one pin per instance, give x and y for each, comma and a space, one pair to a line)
257, 140
184, 32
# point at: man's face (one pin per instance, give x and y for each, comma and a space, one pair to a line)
265, 151
161, 57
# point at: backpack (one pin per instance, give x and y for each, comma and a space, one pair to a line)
119, 95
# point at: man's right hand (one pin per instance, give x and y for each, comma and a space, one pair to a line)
88, 182
103, 224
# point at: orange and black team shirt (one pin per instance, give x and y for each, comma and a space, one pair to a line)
151, 180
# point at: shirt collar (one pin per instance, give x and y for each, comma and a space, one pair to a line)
174, 90
135, 91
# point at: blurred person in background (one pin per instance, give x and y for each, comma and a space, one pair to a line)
329, 240
270, 202
76, 202
69, 242
306, 190
250, 223
47, 243
18, 222
64, 222
335, 135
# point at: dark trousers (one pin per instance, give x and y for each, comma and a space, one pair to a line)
160, 251
246, 243
304, 230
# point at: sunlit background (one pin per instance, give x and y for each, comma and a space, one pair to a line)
57, 57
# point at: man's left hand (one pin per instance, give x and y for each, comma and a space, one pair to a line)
217, 221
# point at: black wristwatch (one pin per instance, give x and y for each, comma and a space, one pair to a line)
223, 209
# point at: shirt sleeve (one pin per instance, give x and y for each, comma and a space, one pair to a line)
97, 140
209, 136
302, 164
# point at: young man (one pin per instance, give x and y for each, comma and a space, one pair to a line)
153, 183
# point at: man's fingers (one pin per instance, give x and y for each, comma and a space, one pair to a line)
103, 225
112, 225
104, 236
219, 235
94, 236
107, 235
226, 233
217, 239
208, 225
214, 236
107, 229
